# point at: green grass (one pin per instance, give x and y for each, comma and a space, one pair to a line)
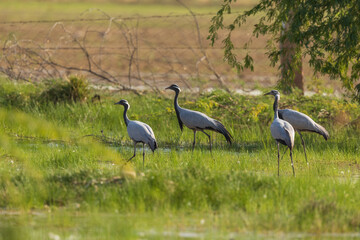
57, 180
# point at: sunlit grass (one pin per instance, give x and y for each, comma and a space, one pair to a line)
58, 165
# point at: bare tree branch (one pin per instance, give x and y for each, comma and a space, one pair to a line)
202, 49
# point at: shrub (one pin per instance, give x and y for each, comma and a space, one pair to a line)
73, 89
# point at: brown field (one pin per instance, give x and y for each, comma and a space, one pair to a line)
129, 44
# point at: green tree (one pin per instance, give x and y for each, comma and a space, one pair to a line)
327, 31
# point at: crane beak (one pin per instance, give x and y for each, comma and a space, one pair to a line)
117, 103
168, 88
269, 93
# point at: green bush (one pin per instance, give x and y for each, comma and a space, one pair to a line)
73, 89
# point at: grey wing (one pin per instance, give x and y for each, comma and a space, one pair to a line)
137, 131
143, 133
283, 131
302, 122
291, 133
298, 120
277, 131
150, 130
195, 119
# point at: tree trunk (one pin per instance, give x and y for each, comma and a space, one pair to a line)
288, 60
291, 64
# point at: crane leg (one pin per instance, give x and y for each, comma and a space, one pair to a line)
278, 158
283, 154
292, 163
208, 137
143, 155
134, 152
303, 143
194, 140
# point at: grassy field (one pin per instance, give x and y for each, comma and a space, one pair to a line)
61, 178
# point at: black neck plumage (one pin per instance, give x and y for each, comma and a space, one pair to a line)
177, 109
126, 119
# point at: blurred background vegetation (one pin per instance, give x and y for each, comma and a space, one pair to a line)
135, 45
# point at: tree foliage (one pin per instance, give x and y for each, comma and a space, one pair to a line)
327, 31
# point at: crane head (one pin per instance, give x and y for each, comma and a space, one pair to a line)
174, 87
273, 92
124, 103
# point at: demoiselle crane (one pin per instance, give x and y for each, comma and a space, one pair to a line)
302, 123
281, 130
138, 131
197, 121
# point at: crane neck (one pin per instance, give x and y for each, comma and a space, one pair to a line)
177, 109
176, 104
126, 119
276, 106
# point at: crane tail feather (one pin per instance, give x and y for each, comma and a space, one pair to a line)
153, 145
322, 131
221, 129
